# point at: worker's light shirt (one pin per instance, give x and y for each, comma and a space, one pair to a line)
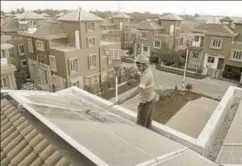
147, 85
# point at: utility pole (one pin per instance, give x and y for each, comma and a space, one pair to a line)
185, 67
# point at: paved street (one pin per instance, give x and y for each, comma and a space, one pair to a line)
207, 86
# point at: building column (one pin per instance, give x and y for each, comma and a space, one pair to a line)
205, 70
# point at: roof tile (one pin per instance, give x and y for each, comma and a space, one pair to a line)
21, 143
53, 159
214, 28
24, 152
41, 146
17, 149
121, 15
29, 159
148, 25
7, 132
36, 140
5, 142
37, 162
79, 15
49, 150
12, 143
171, 16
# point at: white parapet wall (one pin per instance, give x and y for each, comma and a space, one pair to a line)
206, 137
213, 126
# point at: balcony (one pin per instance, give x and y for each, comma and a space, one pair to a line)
196, 45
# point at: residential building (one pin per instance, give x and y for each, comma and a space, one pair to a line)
66, 52
118, 28
25, 21
156, 33
216, 49
8, 80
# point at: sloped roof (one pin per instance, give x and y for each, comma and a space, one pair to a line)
29, 16
171, 16
9, 15
226, 19
10, 25
188, 25
50, 29
121, 15
45, 15
22, 143
79, 15
107, 22
148, 25
214, 28
238, 21
60, 14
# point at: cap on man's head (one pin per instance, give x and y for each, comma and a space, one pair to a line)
142, 59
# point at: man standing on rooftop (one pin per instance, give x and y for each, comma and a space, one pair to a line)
146, 91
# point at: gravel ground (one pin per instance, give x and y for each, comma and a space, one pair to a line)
215, 149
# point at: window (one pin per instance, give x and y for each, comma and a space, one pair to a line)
211, 59
76, 84
195, 55
196, 38
110, 58
73, 65
52, 60
39, 45
138, 45
157, 44
236, 55
171, 29
90, 26
30, 46
91, 42
111, 73
3, 54
181, 41
145, 49
92, 61
42, 76
116, 54
216, 43
21, 49
93, 80
144, 34
10, 52
4, 82
24, 63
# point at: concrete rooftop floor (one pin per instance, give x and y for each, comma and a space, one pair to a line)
193, 116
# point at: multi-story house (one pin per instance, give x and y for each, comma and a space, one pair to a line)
66, 52
25, 21
118, 28
7, 69
217, 48
153, 33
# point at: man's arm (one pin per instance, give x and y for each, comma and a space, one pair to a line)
131, 95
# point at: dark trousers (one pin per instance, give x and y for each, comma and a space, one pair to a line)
144, 116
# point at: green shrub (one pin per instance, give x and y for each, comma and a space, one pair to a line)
189, 86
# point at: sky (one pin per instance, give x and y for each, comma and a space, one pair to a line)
219, 8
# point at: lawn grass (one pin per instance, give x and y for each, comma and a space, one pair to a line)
111, 93
172, 103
